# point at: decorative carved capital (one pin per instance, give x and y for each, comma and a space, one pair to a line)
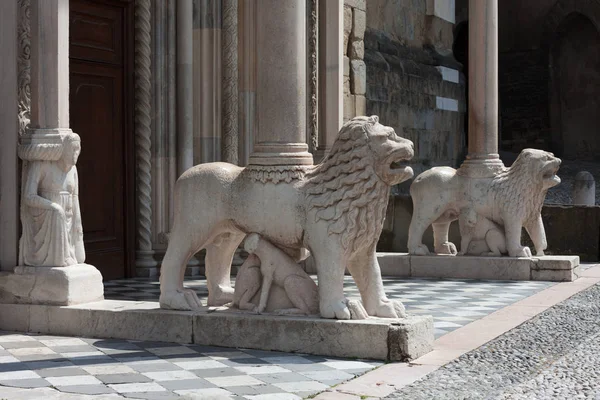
276, 174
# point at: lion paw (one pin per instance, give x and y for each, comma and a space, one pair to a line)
335, 309
390, 309
446, 248
181, 299
221, 296
522, 251
420, 250
357, 311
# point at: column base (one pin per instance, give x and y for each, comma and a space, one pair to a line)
481, 166
61, 286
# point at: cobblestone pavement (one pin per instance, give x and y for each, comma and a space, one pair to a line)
452, 302
556, 355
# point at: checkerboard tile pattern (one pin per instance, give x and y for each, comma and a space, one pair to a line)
156, 370
452, 302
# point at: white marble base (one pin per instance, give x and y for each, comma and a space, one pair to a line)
76, 284
546, 268
373, 338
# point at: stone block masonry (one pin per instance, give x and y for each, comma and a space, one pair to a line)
355, 71
420, 94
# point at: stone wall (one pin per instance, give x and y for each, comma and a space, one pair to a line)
413, 82
355, 78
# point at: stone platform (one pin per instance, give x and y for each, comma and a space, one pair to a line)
374, 338
546, 268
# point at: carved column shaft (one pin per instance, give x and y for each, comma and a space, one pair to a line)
483, 79
50, 63
331, 72
230, 81
143, 132
281, 85
185, 117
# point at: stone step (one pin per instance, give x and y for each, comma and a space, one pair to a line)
546, 268
372, 338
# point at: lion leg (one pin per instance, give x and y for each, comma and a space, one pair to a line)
537, 233
173, 296
512, 229
440, 239
416, 230
219, 256
365, 270
303, 293
330, 263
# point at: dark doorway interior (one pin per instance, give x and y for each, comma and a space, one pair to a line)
100, 55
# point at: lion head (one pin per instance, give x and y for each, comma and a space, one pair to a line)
350, 188
526, 182
540, 166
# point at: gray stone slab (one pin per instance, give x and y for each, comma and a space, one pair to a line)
22, 345
26, 383
86, 389
153, 396
123, 378
284, 377
254, 390
244, 362
64, 371
186, 384
49, 364
72, 349
217, 372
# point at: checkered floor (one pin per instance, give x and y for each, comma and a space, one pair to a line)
452, 302
156, 370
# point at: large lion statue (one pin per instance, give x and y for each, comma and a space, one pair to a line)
335, 210
513, 199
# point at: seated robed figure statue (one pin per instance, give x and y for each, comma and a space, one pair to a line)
52, 231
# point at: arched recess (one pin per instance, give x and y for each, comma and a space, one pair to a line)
572, 42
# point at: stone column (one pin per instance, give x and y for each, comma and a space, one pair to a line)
483, 87
331, 73
229, 49
9, 215
281, 87
247, 75
143, 133
52, 269
185, 117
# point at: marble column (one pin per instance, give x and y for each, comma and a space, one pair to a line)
483, 88
229, 51
185, 117
247, 78
52, 269
143, 136
9, 128
281, 87
331, 73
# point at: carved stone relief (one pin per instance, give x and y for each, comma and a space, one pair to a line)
24, 64
52, 231
335, 210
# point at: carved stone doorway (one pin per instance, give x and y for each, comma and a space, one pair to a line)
100, 62
575, 89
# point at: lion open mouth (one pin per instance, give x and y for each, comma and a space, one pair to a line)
398, 169
550, 171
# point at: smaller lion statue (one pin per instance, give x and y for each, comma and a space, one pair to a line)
479, 235
266, 268
512, 199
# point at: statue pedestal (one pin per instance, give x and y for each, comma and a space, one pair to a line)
61, 286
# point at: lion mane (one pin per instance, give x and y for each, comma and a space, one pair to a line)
519, 188
345, 189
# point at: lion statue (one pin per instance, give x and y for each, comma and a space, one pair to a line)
513, 198
335, 210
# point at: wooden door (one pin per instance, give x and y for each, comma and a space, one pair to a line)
100, 51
